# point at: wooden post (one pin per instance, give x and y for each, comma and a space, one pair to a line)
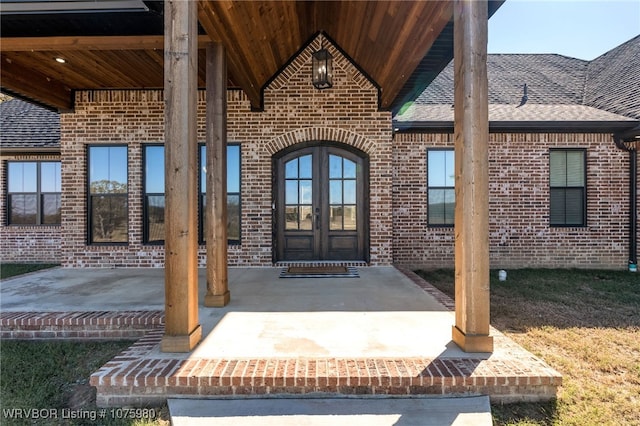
471, 330
182, 331
216, 211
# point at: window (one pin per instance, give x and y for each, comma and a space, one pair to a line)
34, 189
233, 193
441, 187
154, 201
154, 194
567, 187
108, 219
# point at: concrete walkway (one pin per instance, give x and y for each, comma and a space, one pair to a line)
467, 411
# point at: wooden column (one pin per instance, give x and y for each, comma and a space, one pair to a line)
471, 128
182, 331
216, 211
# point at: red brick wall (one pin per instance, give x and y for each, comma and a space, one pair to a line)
294, 112
19, 243
520, 235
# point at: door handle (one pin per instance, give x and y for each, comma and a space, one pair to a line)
317, 220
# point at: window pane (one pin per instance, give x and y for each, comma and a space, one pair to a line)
108, 170
155, 218
154, 170
575, 168
449, 206
437, 206
233, 217
203, 168
233, 168
335, 217
203, 216
306, 218
291, 169
335, 192
305, 167
349, 192
23, 209
22, 177
51, 207
305, 192
350, 218
335, 166
558, 168
349, 169
557, 206
436, 168
441, 170
574, 202
291, 192
291, 217
109, 218
50, 177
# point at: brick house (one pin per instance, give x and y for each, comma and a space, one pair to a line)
559, 185
291, 151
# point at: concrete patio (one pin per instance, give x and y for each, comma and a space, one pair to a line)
385, 333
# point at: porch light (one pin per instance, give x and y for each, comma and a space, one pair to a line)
322, 63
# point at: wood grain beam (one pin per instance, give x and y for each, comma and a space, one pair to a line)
48, 44
471, 132
216, 207
182, 331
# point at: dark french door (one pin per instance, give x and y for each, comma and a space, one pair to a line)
320, 205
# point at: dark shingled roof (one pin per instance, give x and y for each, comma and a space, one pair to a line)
613, 80
25, 125
550, 79
609, 83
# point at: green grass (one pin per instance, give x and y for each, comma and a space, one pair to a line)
54, 375
583, 323
12, 269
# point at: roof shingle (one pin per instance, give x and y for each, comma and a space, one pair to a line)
25, 125
559, 88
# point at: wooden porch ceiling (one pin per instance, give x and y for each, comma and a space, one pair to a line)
389, 40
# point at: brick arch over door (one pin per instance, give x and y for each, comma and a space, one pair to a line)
310, 134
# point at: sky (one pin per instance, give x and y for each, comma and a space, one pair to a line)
583, 29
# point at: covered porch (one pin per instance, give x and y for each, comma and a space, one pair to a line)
397, 46
384, 333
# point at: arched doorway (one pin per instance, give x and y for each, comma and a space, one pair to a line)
321, 203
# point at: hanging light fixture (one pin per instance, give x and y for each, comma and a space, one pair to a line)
322, 63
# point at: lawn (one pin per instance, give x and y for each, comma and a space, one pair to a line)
52, 380
12, 269
586, 325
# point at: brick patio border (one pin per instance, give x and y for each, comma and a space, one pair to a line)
98, 325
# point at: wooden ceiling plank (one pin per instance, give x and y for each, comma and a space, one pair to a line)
34, 85
29, 44
235, 64
408, 55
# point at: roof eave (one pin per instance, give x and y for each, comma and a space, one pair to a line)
29, 150
523, 126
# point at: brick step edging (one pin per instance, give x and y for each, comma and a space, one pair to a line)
94, 325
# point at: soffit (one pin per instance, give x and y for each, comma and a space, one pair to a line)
388, 40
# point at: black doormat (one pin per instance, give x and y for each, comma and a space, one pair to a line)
336, 271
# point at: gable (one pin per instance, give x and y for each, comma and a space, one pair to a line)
294, 79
